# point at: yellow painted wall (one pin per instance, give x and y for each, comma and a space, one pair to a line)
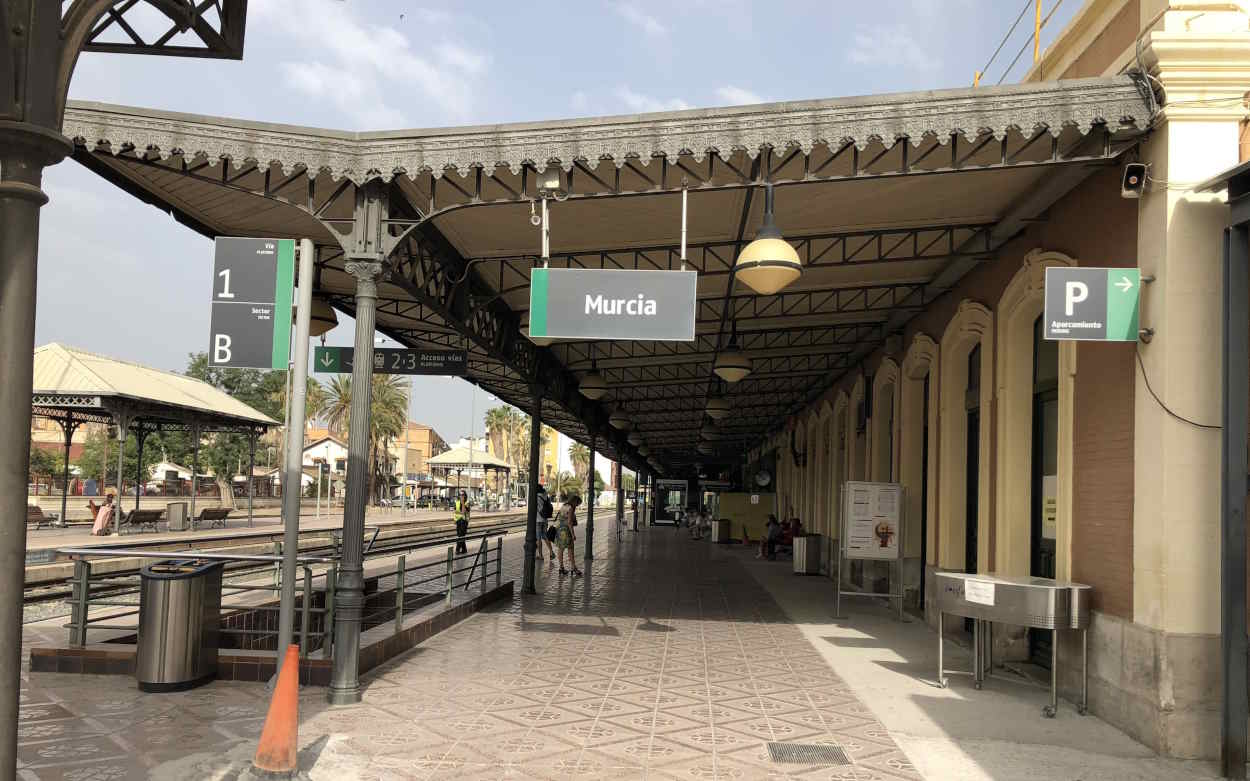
741, 513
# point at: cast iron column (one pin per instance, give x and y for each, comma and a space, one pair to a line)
68, 426
349, 595
365, 262
531, 500
25, 149
590, 501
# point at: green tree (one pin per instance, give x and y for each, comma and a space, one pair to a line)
564, 485
388, 414
579, 454
99, 456
44, 463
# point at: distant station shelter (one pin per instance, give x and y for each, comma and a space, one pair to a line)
73, 387
459, 461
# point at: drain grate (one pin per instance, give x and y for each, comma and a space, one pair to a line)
808, 753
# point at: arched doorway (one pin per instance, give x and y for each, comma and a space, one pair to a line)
917, 462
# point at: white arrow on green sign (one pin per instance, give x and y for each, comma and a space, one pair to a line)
1091, 304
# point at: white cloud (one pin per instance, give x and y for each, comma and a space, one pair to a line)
638, 103
737, 96
644, 21
892, 46
366, 70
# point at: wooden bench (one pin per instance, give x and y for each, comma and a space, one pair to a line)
141, 519
37, 516
215, 516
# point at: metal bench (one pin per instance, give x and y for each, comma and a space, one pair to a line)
37, 516
215, 516
141, 519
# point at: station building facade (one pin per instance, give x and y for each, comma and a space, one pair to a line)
1094, 462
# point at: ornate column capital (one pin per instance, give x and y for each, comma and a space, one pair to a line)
367, 269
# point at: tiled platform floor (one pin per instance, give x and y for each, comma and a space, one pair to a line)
666, 661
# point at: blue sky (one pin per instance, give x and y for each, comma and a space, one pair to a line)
120, 278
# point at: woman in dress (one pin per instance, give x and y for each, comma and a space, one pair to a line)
565, 536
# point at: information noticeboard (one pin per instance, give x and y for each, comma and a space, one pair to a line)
872, 521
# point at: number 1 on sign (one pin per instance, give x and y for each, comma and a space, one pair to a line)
225, 284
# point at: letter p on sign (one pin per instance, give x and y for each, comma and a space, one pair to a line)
1073, 294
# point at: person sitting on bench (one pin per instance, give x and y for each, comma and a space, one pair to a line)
103, 517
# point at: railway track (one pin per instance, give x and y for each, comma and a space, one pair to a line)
42, 596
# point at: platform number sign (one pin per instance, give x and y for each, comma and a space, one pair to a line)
253, 286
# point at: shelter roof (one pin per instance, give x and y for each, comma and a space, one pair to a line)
461, 457
68, 378
889, 200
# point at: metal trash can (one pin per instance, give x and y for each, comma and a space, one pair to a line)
179, 622
720, 531
176, 513
807, 554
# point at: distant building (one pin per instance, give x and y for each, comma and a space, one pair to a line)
413, 448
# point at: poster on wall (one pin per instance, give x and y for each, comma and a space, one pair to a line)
872, 520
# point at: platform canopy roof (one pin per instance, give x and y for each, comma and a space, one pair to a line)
888, 199
94, 388
461, 458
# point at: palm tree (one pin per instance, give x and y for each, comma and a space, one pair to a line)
337, 407
564, 483
497, 425
579, 454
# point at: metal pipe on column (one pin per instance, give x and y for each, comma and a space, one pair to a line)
292, 470
590, 502
140, 436
531, 498
1234, 429
367, 268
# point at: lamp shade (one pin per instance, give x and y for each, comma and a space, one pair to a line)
709, 432
704, 448
643, 450
732, 364
593, 386
717, 407
321, 318
634, 438
619, 420
769, 263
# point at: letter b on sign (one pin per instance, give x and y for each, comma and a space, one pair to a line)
1073, 294
221, 348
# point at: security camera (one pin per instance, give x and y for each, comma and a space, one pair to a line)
535, 220
1133, 183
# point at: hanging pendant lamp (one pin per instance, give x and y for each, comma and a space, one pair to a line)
717, 405
619, 420
634, 438
593, 386
704, 448
731, 363
321, 318
643, 450
769, 263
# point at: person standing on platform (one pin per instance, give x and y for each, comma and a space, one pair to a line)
547, 513
460, 512
565, 537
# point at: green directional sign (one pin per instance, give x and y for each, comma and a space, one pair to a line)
388, 360
1092, 304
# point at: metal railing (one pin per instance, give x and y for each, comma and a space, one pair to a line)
414, 586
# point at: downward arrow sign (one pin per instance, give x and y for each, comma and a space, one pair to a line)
1124, 284
326, 360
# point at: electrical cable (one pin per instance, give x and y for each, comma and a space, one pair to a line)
1027, 4
1163, 406
1024, 48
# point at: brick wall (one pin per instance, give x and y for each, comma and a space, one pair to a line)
1102, 501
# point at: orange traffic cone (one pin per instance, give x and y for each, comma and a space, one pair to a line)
276, 754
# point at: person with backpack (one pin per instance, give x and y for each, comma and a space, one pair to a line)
547, 513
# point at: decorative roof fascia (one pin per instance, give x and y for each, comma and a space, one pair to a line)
1115, 101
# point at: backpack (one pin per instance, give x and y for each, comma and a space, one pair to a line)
545, 509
